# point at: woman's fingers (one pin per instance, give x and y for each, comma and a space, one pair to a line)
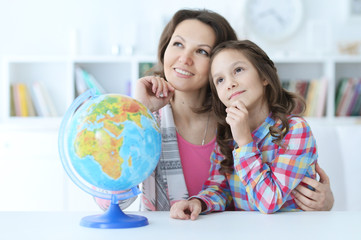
303, 201
316, 199
313, 183
323, 176
303, 206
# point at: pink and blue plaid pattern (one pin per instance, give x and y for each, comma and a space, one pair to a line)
264, 173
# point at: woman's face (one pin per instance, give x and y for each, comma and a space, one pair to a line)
186, 58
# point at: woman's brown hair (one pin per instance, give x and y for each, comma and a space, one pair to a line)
281, 102
219, 24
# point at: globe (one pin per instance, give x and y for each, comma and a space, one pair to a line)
108, 145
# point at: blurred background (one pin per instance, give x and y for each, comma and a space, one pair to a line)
113, 40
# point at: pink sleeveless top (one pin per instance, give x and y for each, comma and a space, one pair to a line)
195, 163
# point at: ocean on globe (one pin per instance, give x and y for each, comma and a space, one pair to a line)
112, 143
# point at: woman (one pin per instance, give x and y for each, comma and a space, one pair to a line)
188, 125
179, 94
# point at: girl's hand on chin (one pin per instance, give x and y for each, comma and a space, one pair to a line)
237, 118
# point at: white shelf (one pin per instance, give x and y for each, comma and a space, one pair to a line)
118, 73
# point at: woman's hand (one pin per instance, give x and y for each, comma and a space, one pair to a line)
186, 209
321, 199
154, 92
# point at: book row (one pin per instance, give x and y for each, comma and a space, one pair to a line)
314, 92
31, 100
348, 97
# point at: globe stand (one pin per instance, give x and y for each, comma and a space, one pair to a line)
114, 217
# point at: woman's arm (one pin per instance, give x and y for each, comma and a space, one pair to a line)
321, 199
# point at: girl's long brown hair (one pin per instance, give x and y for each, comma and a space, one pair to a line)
280, 101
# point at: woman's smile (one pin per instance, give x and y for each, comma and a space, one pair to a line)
182, 72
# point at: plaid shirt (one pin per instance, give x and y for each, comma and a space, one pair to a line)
264, 173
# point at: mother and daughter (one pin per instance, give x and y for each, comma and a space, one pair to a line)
228, 136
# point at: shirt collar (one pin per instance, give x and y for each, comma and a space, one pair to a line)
263, 130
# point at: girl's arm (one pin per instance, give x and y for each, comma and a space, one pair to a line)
270, 183
215, 192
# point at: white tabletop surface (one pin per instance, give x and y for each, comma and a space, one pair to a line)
226, 225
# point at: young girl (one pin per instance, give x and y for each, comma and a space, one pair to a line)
263, 151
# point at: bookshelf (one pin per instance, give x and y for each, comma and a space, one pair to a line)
26, 142
57, 75
116, 75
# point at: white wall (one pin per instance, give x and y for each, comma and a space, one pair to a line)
45, 27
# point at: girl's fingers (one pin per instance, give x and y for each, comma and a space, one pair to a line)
239, 105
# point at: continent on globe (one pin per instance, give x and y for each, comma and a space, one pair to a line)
111, 132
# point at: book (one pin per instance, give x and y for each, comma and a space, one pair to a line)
311, 97
302, 87
353, 98
49, 101
346, 98
43, 103
24, 111
320, 104
340, 92
29, 102
39, 100
84, 80
144, 67
356, 101
12, 101
16, 100
80, 84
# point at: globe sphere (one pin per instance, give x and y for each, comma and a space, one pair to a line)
109, 143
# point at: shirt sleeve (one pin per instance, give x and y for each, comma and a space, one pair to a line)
215, 192
270, 183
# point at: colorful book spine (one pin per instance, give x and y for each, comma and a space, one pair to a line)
310, 100
355, 95
340, 94
356, 111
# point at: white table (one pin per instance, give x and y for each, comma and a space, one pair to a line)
226, 225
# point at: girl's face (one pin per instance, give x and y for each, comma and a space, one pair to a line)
235, 78
186, 58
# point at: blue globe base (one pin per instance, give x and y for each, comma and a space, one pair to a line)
114, 217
